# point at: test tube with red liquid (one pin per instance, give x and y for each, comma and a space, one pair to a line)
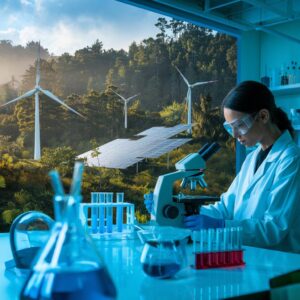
221, 247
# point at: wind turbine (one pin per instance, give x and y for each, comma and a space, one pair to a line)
126, 100
189, 97
37, 89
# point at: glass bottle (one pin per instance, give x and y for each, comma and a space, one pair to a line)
69, 266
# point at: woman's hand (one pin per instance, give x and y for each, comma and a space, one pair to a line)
197, 222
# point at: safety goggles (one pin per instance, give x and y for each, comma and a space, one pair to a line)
240, 126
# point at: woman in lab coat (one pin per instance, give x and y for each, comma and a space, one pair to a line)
264, 198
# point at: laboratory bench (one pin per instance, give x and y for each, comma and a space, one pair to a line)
122, 258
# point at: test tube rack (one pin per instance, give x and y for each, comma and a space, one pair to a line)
216, 248
104, 219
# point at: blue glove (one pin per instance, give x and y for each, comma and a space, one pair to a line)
148, 201
197, 222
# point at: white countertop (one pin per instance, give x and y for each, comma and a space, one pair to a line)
122, 258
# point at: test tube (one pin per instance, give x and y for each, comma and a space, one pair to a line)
203, 241
210, 242
101, 212
232, 245
239, 237
195, 236
94, 213
199, 238
225, 245
109, 220
120, 200
238, 246
221, 246
235, 239
204, 249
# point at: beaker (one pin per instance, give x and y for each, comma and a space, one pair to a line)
164, 252
69, 266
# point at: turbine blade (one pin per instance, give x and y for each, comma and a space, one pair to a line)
185, 80
202, 83
119, 95
27, 94
132, 97
53, 97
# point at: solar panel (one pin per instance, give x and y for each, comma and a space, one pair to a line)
122, 153
165, 147
165, 132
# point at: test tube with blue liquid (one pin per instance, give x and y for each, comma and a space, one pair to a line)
109, 210
101, 213
94, 213
120, 200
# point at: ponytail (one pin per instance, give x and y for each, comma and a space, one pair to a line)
282, 121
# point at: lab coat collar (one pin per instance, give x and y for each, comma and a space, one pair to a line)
277, 148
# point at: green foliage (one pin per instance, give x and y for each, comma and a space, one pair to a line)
85, 82
142, 218
173, 114
2, 182
22, 197
9, 215
61, 158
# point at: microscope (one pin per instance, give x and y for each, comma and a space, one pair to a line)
170, 209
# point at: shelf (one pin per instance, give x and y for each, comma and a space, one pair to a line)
290, 89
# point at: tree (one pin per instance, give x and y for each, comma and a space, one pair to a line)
173, 114
60, 158
208, 120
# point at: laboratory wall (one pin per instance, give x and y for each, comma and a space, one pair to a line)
274, 60
280, 60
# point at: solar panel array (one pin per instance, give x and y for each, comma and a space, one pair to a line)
122, 153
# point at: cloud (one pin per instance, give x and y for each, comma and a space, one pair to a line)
66, 26
8, 31
26, 2
11, 34
67, 36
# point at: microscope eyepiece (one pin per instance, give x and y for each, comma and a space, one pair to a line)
204, 148
210, 151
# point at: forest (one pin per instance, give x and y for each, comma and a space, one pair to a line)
86, 81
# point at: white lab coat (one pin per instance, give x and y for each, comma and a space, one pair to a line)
266, 203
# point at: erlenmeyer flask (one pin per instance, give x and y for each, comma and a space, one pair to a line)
69, 266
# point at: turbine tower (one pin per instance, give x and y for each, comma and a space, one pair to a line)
189, 97
126, 100
37, 89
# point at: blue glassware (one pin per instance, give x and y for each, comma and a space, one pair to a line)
69, 266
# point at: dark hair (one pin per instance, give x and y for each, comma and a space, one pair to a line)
252, 96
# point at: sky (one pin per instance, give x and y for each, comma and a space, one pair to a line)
68, 25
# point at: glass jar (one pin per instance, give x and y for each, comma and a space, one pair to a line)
164, 252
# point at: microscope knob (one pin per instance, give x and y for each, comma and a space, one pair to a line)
170, 211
